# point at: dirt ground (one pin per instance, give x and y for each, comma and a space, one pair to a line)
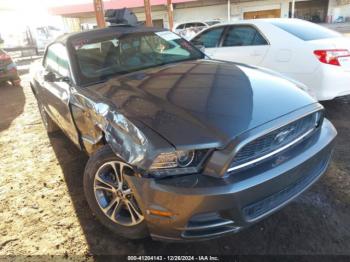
43, 210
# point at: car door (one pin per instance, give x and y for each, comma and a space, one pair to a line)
242, 44
56, 89
210, 39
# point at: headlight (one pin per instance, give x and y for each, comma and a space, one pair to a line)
177, 163
184, 158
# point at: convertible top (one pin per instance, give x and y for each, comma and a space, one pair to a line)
118, 30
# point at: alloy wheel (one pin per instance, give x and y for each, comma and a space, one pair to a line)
114, 196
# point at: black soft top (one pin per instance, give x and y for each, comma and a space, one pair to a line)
105, 32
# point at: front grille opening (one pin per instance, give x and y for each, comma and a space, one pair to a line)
276, 139
260, 208
208, 225
210, 232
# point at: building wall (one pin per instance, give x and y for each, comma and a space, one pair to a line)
88, 20
200, 11
338, 8
217, 9
158, 13
209, 11
342, 11
73, 24
345, 10
313, 10
206, 10
238, 10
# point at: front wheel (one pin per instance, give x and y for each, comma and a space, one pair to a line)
110, 197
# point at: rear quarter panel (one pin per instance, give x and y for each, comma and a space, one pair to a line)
288, 54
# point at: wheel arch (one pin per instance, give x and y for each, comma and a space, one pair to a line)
32, 87
99, 125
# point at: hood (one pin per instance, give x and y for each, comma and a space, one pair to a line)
202, 103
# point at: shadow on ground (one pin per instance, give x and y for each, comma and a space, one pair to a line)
12, 100
313, 224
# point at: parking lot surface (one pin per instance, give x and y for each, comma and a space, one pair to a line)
43, 209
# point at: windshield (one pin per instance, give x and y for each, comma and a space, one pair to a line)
306, 31
100, 59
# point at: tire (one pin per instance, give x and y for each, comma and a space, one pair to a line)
118, 216
48, 123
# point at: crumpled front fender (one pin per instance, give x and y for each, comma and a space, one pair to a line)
99, 123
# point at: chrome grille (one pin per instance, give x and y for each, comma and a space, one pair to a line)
276, 139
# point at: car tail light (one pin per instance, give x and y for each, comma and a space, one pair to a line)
4, 57
331, 57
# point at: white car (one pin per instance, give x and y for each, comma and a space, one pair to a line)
189, 29
311, 54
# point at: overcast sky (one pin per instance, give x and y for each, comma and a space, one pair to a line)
16, 15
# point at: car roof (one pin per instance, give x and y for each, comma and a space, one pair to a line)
261, 21
103, 32
190, 22
193, 21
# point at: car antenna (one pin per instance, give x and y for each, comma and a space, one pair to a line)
121, 17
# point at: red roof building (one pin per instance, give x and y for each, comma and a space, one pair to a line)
81, 16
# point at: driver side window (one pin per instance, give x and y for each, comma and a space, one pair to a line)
50, 62
209, 38
56, 60
244, 35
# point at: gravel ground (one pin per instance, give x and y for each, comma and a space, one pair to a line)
43, 210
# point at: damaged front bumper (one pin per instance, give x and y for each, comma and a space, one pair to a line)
202, 207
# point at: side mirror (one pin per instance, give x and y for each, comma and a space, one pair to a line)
50, 77
65, 79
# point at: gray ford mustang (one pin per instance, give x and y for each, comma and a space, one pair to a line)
181, 147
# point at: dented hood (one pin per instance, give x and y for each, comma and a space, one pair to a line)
202, 103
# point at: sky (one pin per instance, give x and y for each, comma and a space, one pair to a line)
17, 15
22, 4
31, 12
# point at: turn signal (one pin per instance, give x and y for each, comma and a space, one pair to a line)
159, 213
